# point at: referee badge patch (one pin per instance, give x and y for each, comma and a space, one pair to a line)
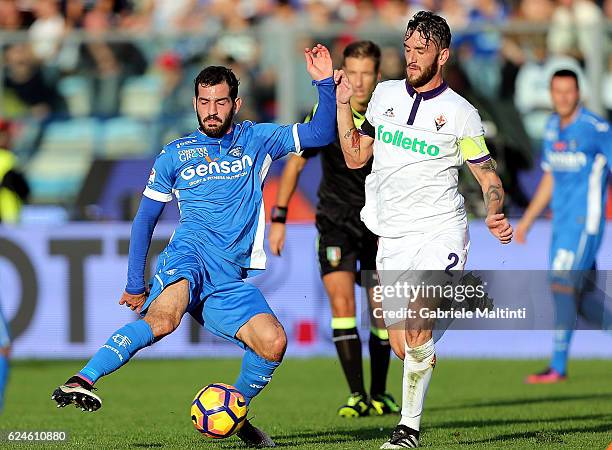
334, 255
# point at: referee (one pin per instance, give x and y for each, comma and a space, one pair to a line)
343, 241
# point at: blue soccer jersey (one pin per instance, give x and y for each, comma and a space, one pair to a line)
578, 158
218, 185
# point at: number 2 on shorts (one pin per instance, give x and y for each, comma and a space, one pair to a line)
454, 259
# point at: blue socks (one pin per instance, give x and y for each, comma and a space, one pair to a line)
255, 374
565, 322
4, 370
118, 350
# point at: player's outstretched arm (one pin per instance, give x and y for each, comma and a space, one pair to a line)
142, 230
319, 63
356, 147
289, 179
321, 130
493, 192
538, 203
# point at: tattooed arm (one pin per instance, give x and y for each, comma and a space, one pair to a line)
494, 199
356, 147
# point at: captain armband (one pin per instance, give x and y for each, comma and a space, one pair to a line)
474, 150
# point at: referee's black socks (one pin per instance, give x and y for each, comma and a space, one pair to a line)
380, 353
348, 346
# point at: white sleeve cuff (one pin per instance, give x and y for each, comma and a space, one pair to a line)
296, 139
157, 196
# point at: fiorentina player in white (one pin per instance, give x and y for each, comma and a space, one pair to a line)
419, 132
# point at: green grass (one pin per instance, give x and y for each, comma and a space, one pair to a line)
471, 404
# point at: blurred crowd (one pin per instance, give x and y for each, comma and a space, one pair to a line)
108, 59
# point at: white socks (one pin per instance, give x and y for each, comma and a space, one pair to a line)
418, 367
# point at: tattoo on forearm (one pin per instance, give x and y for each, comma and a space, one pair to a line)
489, 165
495, 193
349, 132
353, 135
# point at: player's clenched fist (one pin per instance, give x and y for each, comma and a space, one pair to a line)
499, 227
318, 62
134, 301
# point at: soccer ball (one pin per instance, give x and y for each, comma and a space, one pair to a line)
218, 410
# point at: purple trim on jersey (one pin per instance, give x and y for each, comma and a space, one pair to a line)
415, 106
427, 95
480, 160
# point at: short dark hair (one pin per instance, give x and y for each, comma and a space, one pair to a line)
566, 73
362, 49
213, 75
432, 28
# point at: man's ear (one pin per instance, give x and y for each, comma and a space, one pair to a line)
237, 105
195, 107
378, 76
443, 57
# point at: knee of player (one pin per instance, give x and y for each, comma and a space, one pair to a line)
162, 325
416, 337
399, 349
274, 345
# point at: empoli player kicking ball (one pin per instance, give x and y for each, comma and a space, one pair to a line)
216, 173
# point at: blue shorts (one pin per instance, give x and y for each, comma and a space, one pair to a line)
219, 299
5, 337
573, 253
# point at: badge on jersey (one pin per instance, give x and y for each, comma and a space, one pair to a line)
440, 121
334, 255
151, 177
236, 152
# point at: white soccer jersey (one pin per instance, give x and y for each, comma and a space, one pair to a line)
420, 141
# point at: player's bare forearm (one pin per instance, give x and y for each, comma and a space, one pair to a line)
289, 179
492, 189
356, 149
540, 200
493, 194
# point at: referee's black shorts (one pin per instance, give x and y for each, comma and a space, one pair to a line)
344, 242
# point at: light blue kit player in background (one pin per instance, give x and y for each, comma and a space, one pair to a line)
216, 173
576, 158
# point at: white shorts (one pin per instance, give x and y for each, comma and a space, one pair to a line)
416, 260
441, 250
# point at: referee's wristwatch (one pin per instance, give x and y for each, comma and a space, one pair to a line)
279, 214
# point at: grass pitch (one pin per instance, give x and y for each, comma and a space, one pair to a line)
471, 404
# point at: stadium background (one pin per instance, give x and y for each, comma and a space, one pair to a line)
91, 90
